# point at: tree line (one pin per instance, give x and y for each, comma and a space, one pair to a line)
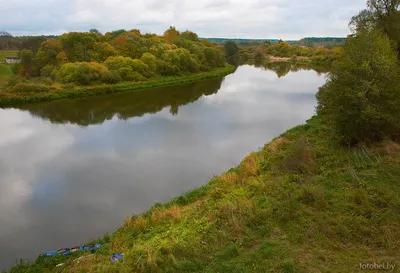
87, 58
316, 54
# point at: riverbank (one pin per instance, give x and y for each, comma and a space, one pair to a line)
300, 204
10, 98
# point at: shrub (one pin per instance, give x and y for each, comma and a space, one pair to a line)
82, 73
361, 100
47, 70
30, 88
127, 68
111, 77
48, 82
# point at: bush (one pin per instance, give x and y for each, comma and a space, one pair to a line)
361, 100
111, 77
48, 82
128, 69
30, 88
82, 73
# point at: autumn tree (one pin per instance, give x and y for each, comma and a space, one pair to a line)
171, 35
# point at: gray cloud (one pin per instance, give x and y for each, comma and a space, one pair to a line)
286, 19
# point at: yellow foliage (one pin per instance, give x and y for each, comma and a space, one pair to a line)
250, 166
277, 144
173, 212
229, 178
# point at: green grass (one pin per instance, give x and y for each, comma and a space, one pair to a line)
5, 74
9, 98
300, 204
7, 53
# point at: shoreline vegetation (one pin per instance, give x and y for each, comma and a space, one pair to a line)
14, 98
79, 64
283, 208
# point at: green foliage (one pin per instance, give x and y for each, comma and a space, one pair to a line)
128, 69
29, 88
380, 14
101, 51
361, 100
78, 45
189, 35
10, 98
82, 73
281, 49
231, 48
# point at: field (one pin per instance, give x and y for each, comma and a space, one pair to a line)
7, 53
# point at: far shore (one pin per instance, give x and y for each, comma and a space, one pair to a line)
8, 99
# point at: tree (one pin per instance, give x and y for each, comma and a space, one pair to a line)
28, 63
171, 35
189, 35
361, 100
95, 31
101, 51
382, 14
47, 53
231, 48
26, 57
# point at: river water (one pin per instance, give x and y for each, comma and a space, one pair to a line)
72, 170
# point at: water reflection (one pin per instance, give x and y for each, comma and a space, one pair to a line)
63, 181
98, 109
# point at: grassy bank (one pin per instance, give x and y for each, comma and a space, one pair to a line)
9, 98
300, 204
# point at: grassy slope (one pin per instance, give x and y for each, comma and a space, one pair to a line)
7, 53
301, 204
9, 98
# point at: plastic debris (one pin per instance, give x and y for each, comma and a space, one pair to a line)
116, 257
68, 251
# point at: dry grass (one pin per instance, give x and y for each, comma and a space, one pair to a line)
300, 158
250, 165
173, 213
277, 145
230, 178
138, 222
387, 148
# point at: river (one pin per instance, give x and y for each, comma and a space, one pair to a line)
72, 170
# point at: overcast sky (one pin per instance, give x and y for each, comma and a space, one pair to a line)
285, 19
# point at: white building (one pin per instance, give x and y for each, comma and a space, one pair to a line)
13, 60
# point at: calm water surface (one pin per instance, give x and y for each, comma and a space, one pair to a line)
72, 170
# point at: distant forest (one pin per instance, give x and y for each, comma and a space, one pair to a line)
8, 42
316, 41
22, 42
